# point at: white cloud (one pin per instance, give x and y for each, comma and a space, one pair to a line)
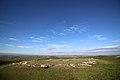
57, 46
24, 46
13, 39
74, 29
98, 37
116, 41
9, 45
81, 40
113, 46
106, 48
40, 39
21, 46
90, 37
5, 22
61, 34
64, 21
57, 33
63, 41
50, 49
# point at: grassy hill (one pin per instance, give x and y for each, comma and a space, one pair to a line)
64, 68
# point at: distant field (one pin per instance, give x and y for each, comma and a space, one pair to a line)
63, 68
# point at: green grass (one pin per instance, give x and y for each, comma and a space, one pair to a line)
106, 68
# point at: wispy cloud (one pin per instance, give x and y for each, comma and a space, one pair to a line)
74, 29
98, 37
13, 39
50, 49
106, 48
5, 22
57, 46
57, 33
81, 40
38, 39
63, 42
116, 41
9, 45
12, 45
64, 21
113, 46
24, 46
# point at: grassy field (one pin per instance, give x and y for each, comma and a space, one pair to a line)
64, 68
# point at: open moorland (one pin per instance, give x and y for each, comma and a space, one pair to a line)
60, 68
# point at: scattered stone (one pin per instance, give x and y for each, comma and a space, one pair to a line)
89, 65
66, 60
59, 64
117, 56
85, 62
44, 66
91, 62
24, 63
33, 65
13, 63
72, 65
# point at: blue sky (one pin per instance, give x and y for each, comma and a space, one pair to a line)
56, 27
